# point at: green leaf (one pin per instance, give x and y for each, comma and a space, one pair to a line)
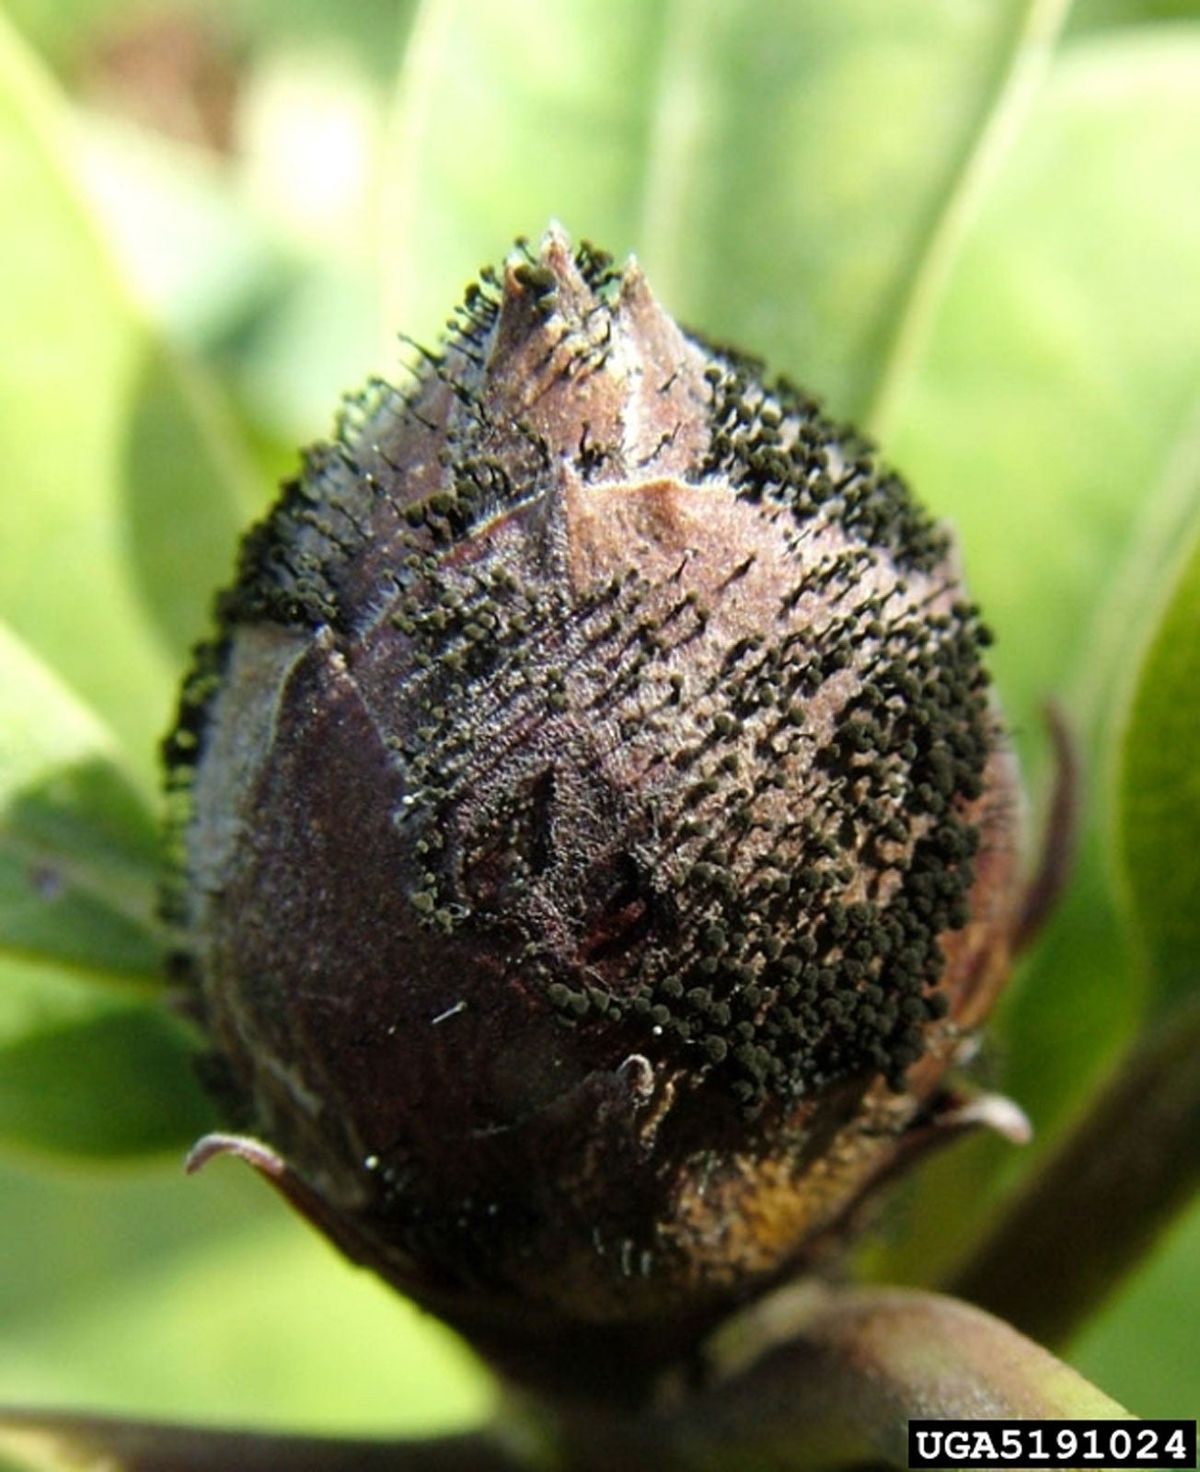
88, 1071
55, 26
784, 170
78, 849
316, 342
90, 1062
1054, 421
1094, 14
236, 1327
505, 117
97, 426
70, 32
1064, 366
188, 241
1062, 377
1158, 791
811, 172
1144, 1343
374, 29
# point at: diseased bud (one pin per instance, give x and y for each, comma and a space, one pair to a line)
594, 839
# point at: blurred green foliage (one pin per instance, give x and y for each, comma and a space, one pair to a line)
1158, 792
974, 225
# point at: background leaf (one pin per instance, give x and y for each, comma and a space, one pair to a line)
227, 1316
1062, 378
90, 1071
754, 156
68, 32
78, 848
1143, 1343
1054, 420
75, 443
1158, 791
1092, 14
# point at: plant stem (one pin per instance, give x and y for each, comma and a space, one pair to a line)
816, 1378
1100, 1201
46, 1441
810, 1378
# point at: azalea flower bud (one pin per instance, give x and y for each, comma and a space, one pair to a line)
594, 835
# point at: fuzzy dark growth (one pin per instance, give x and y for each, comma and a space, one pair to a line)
595, 710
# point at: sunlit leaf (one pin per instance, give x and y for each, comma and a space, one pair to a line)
194, 249
96, 425
91, 1071
238, 1329
373, 29
1093, 14
317, 341
55, 26
1158, 792
505, 117
781, 169
1054, 420
78, 850
811, 171
140, 1220
66, 31
1144, 1343
1062, 378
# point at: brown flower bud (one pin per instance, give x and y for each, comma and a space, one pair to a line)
594, 832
